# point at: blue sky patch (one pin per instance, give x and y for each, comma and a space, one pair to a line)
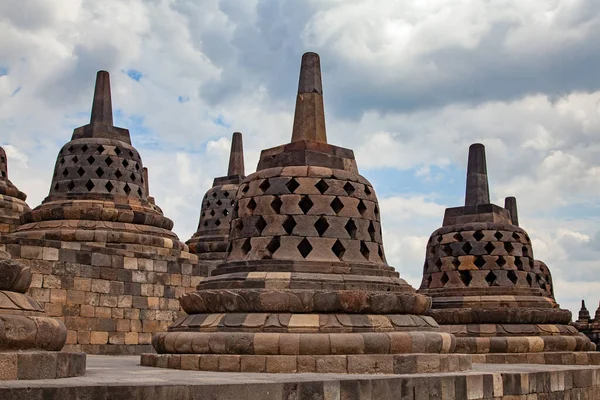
134, 74
183, 99
3, 70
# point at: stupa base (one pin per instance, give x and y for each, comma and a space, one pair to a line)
523, 344
351, 364
556, 358
16, 365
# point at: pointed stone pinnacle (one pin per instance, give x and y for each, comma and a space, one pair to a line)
477, 182
584, 314
102, 105
3, 164
236, 156
146, 183
510, 203
309, 118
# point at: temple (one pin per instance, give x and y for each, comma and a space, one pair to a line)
487, 288
305, 286
590, 327
103, 256
210, 241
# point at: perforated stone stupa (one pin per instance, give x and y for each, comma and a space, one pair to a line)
210, 241
103, 257
486, 287
12, 200
306, 287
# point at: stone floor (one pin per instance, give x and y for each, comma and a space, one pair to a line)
121, 377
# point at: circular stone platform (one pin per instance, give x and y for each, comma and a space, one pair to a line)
40, 365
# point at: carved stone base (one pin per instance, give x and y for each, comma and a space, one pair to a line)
352, 364
41, 365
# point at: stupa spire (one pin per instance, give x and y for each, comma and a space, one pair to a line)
584, 314
102, 104
309, 118
236, 156
3, 164
477, 181
510, 203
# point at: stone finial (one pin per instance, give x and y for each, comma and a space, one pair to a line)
309, 118
510, 203
146, 183
236, 156
597, 315
477, 182
584, 314
3, 164
102, 104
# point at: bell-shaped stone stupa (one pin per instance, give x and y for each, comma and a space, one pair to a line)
103, 256
305, 286
12, 200
486, 287
210, 241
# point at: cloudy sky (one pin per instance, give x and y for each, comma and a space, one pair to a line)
408, 85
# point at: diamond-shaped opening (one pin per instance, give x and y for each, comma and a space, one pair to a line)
232, 202
132, 176
429, 279
447, 250
236, 208
212, 213
74, 159
84, 148
70, 185
371, 231
361, 207
525, 251
239, 225
376, 210
367, 190
336, 205
490, 278
62, 161
489, 247
456, 262
245, 188
125, 163
89, 185
321, 226
225, 212
444, 279
512, 276
501, 261
380, 252
305, 204
226, 194
272, 247
91, 160
118, 174
322, 186
109, 186
364, 250
217, 222
71, 148
351, 229
465, 277
509, 247
439, 239
137, 166
219, 202
246, 246
338, 249
81, 171
139, 192
458, 237
100, 149
251, 205
479, 262
56, 186
214, 194
65, 173
99, 172
498, 235
478, 235
289, 224
467, 247
304, 247
276, 204
292, 185
127, 189
130, 153
519, 263
516, 236
438, 264
529, 280
265, 185
260, 224
205, 223
349, 188
117, 151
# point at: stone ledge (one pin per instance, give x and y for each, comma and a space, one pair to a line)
558, 358
322, 364
41, 365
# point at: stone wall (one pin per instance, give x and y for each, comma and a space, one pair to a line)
111, 300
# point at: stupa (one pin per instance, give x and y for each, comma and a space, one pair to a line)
103, 257
587, 325
487, 289
306, 286
210, 241
29, 340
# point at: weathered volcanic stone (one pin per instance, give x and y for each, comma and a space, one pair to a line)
587, 325
211, 239
306, 273
12, 200
102, 255
487, 288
